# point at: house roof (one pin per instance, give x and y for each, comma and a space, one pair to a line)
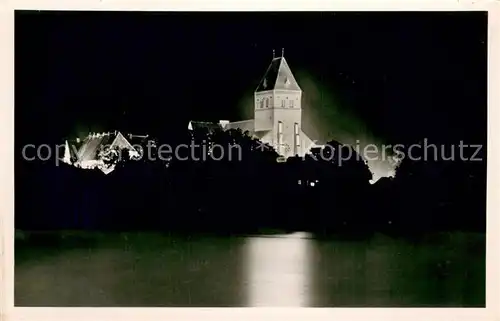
244, 125
93, 143
278, 76
121, 142
71, 148
203, 125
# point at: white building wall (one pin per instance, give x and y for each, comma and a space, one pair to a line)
273, 107
288, 116
263, 119
306, 143
287, 99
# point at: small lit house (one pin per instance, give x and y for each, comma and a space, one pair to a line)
95, 150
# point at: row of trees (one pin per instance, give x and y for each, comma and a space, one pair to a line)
250, 191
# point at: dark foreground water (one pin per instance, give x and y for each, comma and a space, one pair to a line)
151, 269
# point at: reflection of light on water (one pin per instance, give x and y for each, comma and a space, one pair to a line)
278, 270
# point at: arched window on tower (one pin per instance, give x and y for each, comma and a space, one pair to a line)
267, 102
262, 103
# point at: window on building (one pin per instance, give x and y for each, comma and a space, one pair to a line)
262, 103
282, 103
291, 103
267, 102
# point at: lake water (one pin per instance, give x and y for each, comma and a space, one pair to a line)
162, 270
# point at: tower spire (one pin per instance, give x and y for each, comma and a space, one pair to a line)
282, 52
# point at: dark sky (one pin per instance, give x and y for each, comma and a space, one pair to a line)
396, 77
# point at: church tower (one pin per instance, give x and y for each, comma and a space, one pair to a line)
277, 112
277, 102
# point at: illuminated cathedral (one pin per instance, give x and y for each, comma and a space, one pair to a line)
277, 112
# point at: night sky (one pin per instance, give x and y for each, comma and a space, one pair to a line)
376, 77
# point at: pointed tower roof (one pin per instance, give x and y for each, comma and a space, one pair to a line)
278, 76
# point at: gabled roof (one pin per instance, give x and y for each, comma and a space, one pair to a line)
93, 143
278, 76
244, 125
203, 125
69, 154
121, 142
